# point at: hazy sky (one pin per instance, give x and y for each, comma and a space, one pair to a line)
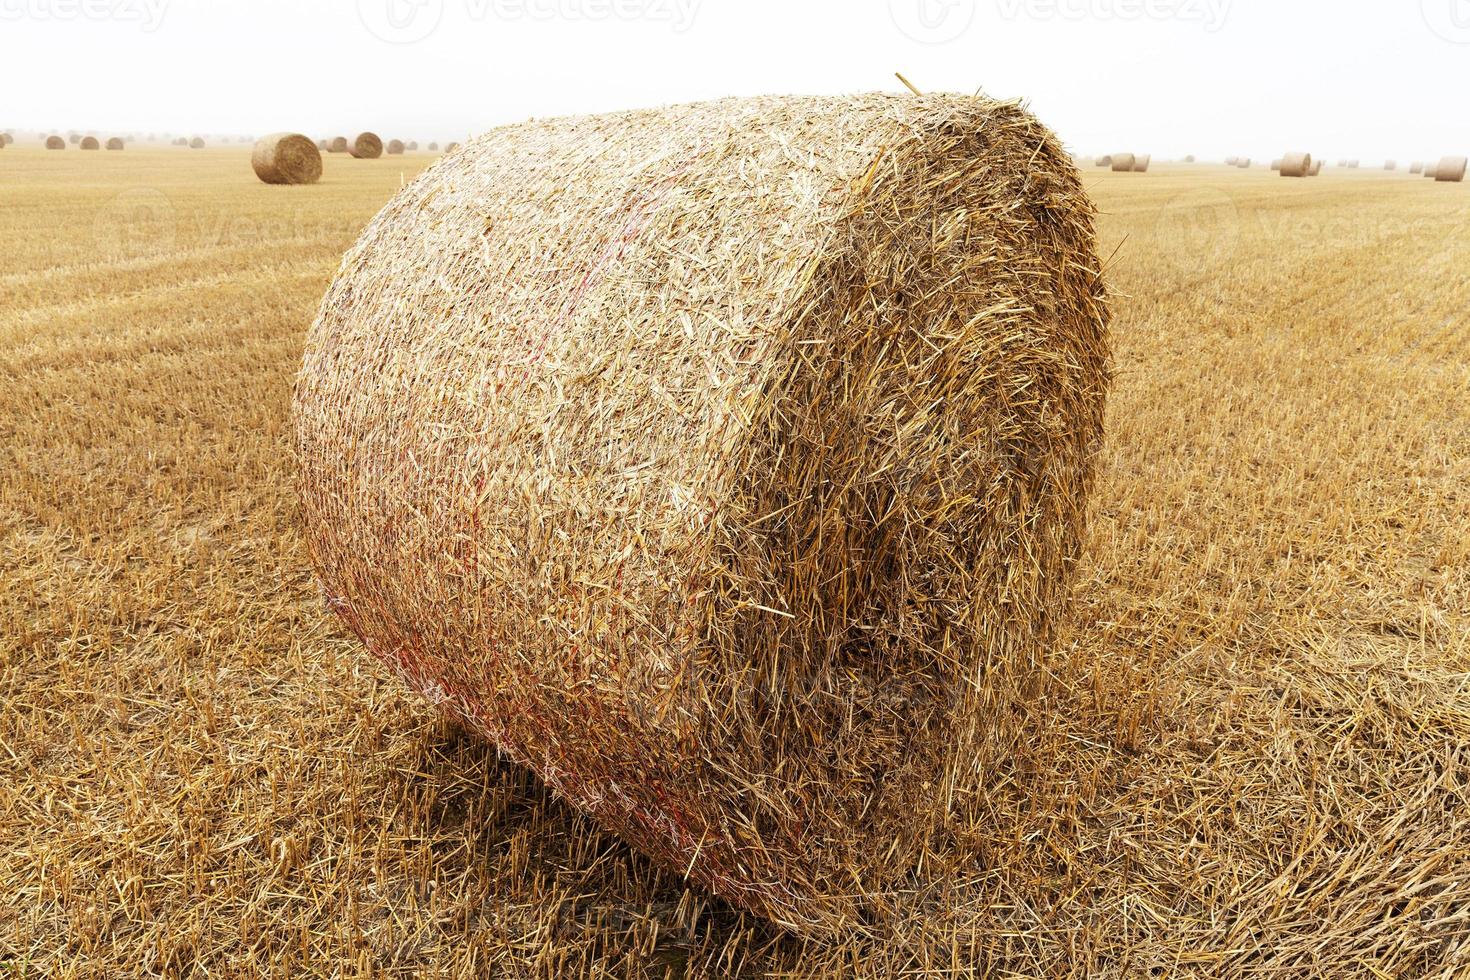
1365, 78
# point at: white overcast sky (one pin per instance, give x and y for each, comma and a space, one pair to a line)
1364, 78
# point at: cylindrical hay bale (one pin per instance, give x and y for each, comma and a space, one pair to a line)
1244, 163
1232, 161
1352, 164
286, 158
1189, 158
1276, 164
1450, 170
90, 143
322, 145
1429, 170
394, 147
1391, 165
367, 146
1123, 163
338, 145
1141, 162
1416, 168
1296, 165
74, 138
115, 144
451, 146
197, 143
55, 143
686, 461
1105, 161
412, 146
1316, 168
433, 147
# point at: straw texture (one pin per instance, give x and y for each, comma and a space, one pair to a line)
1141, 163
90, 143
725, 465
286, 158
1123, 163
338, 145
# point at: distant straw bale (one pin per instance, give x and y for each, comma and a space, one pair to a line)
1296, 165
1123, 163
1450, 170
367, 146
286, 158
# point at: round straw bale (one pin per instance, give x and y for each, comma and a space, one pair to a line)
394, 147
1231, 161
74, 138
1141, 162
1450, 170
286, 158
433, 147
451, 146
1391, 165
8, 138
322, 145
1189, 158
1295, 165
686, 461
1316, 168
1244, 163
1105, 161
90, 143
197, 143
115, 144
1429, 170
1417, 167
55, 143
367, 146
1276, 164
412, 146
1123, 163
338, 145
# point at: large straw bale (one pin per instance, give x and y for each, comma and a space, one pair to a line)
1296, 165
1123, 163
286, 158
1450, 170
725, 465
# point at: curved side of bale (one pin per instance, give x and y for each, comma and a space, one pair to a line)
367, 146
1316, 169
1244, 163
90, 143
197, 143
338, 145
286, 158
1141, 163
115, 144
1296, 165
657, 559
55, 143
1122, 163
1450, 170
394, 147
433, 147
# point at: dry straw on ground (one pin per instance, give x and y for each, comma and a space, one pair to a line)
1296, 165
286, 158
1450, 170
725, 465
367, 146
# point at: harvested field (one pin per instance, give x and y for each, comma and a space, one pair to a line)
1249, 756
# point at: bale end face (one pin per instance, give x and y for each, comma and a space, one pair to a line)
286, 158
367, 146
724, 464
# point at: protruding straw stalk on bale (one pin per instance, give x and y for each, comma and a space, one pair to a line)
286, 158
367, 146
1450, 170
1296, 165
394, 147
90, 143
1141, 162
1123, 163
726, 465
55, 143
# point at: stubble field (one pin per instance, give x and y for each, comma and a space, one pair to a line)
1251, 756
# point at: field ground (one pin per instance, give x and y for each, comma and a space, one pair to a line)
1253, 756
